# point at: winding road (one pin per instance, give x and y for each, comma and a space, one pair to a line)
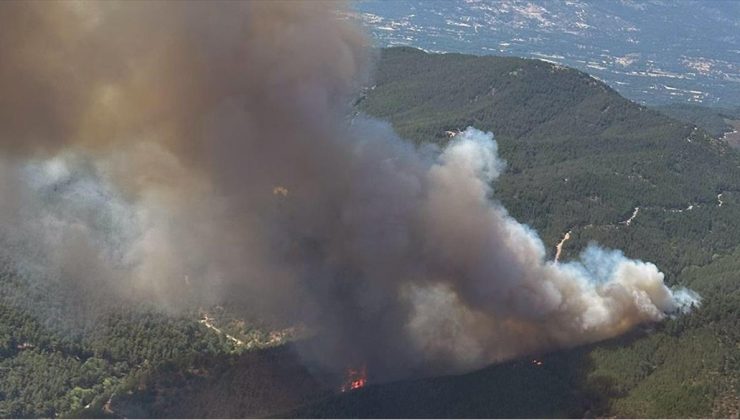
207, 321
559, 246
628, 222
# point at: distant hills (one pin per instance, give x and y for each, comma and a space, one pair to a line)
653, 52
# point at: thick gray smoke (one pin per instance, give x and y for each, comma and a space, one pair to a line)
190, 153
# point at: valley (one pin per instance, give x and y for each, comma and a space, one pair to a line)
621, 43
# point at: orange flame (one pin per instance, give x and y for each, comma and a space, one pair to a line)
355, 379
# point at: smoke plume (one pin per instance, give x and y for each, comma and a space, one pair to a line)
190, 153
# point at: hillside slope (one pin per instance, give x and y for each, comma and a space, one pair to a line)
713, 119
581, 159
579, 155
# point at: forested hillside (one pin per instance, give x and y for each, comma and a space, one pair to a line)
85, 361
585, 160
713, 119
581, 159
579, 156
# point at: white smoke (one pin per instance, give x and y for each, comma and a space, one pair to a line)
508, 299
482, 289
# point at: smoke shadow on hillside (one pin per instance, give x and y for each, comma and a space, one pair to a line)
561, 384
274, 382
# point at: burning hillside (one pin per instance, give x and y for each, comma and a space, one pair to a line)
152, 140
355, 379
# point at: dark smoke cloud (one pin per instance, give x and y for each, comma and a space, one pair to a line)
190, 153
